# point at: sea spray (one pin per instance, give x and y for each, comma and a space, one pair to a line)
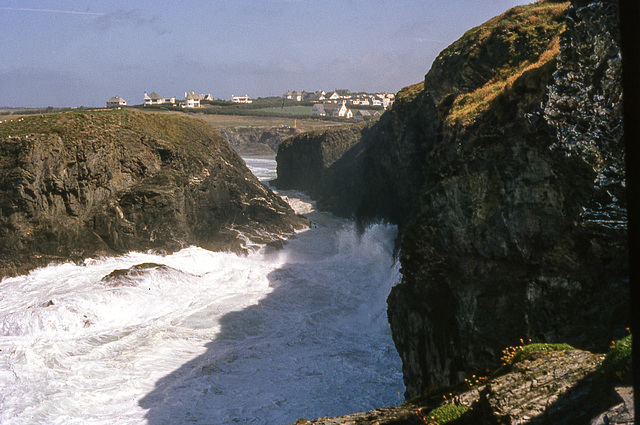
211, 338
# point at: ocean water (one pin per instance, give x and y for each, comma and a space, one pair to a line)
213, 338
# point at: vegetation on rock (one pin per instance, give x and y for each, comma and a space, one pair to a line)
85, 183
445, 414
504, 170
617, 365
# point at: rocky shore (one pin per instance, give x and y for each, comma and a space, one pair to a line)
89, 183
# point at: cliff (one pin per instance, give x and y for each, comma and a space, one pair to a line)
522, 229
504, 170
81, 184
327, 164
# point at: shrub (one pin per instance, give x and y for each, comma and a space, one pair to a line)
617, 365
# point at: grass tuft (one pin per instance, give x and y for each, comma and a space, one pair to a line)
445, 414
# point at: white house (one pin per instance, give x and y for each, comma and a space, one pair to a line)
155, 99
334, 96
116, 101
191, 100
331, 110
362, 115
241, 99
361, 101
342, 111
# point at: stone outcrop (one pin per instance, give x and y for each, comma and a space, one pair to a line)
522, 229
546, 388
556, 387
81, 184
504, 170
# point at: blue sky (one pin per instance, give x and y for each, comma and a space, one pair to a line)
81, 52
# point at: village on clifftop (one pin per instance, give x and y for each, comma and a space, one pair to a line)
338, 103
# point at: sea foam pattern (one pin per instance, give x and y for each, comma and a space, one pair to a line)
211, 338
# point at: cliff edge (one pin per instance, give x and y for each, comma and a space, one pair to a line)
521, 231
505, 170
81, 184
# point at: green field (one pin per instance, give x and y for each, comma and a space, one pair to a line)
287, 110
228, 121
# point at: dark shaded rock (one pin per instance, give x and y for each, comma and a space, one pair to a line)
80, 184
327, 164
522, 227
394, 160
622, 413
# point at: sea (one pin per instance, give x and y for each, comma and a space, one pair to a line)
212, 338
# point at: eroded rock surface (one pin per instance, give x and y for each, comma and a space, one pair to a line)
81, 184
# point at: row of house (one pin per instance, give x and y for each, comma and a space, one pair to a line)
339, 100
341, 111
358, 99
191, 100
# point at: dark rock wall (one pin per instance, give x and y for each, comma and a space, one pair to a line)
394, 159
505, 172
521, 231
83, 184
327, 164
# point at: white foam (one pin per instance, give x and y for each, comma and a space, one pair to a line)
214, 338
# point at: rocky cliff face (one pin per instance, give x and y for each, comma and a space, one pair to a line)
81, 184
521, 231
504, 169
327, 164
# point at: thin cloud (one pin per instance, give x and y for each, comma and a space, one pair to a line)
68, 12
106, 21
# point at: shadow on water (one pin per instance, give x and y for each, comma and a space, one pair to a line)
317, 345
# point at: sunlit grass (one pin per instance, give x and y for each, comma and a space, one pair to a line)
531, 36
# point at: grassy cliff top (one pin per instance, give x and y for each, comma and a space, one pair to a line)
488, 59
82, 123
469, 74
191, 135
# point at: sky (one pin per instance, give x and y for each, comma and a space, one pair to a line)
69, 53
